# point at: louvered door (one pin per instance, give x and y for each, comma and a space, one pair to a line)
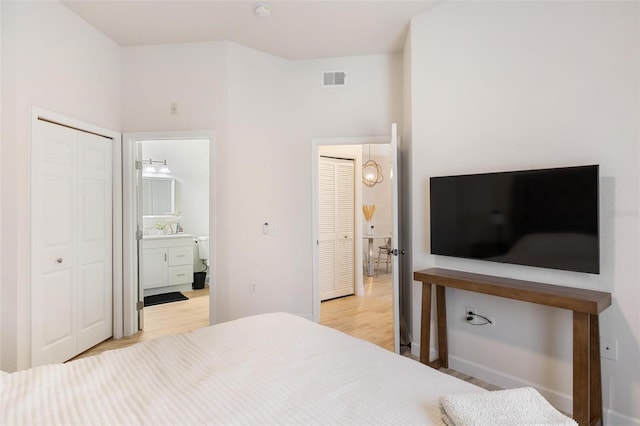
336, 244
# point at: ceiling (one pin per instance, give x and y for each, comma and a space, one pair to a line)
301, 29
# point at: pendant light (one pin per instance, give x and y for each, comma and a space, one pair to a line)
371, 172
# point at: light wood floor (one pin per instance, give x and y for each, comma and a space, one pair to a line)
368, 317
163, 320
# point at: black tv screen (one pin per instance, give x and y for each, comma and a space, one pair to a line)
546, 218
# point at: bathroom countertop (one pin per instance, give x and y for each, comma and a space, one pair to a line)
165, 236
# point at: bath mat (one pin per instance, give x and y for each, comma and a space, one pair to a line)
159, 299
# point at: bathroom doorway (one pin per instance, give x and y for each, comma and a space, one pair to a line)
173, 253
169, 189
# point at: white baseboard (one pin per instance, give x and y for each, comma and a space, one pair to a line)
613, 418
561, 401
415, 349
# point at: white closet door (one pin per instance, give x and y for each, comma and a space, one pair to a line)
336, 221
327, 231
71, 226
94, 240
344, 282
53, 229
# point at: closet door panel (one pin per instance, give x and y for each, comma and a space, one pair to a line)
345, 198
53, 250
94, 285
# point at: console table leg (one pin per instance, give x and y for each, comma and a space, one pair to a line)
425, 328
581, 368
441, 305
595, 385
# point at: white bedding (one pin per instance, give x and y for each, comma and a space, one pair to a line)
266, 369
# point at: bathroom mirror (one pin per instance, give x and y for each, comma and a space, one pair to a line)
158, 195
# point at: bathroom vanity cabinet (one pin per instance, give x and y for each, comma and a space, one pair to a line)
167, 263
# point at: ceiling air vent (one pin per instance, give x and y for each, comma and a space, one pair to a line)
334, 78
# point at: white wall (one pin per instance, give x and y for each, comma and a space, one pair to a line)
193, 75
515, 85
366, 106
265, 111
52, 59
254, 189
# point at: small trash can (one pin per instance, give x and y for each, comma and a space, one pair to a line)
198, 280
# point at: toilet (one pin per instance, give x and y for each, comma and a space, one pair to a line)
203, 249
203, 253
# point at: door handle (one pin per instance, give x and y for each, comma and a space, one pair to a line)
59, 260
165, 257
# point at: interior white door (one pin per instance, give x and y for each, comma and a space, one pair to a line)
395, 269
71, 241
336, 266
140, 261
94, 284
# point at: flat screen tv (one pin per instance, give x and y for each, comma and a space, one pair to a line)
546, 218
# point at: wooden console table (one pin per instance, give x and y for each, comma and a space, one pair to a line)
585, 304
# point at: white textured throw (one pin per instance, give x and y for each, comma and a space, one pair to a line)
272, 369
522, 406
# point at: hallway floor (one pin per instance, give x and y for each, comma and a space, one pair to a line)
368, 317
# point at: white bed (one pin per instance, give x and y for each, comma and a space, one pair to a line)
266, 369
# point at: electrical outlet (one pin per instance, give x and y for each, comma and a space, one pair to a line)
471, 311
609, 348
252, 288
174, 108
476, 318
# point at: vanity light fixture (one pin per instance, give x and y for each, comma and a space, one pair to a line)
149, 168
164, 169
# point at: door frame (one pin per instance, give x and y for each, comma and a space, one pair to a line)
315, 154
117, 242
130, 246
